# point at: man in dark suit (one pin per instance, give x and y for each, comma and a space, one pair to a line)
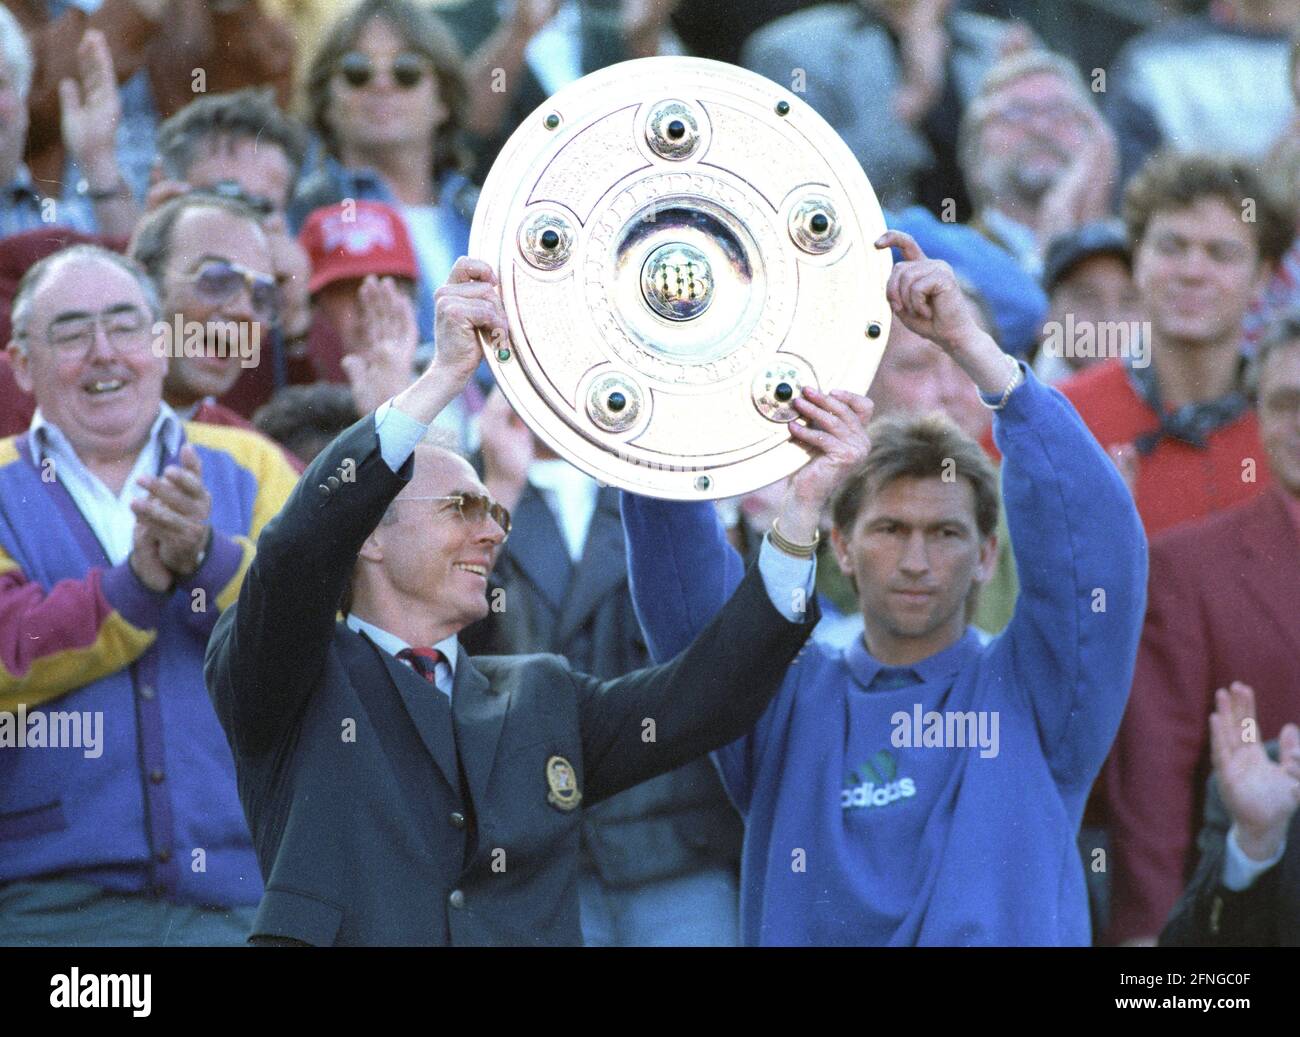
1246, 891
387, 811
1223, 605
659, 863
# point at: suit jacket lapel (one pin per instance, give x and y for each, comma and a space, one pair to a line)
1272, 552
479, 713
603, 568
428, 708
538, 549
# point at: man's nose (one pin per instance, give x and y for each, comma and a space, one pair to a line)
489, 532
100, 346
915, 559
1194, 264
240, 305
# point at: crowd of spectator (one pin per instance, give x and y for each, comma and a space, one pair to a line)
296, 178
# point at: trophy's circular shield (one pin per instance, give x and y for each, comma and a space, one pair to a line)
683, 246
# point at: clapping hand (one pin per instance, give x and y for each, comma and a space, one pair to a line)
1260, 795
388, 329
175, 515
90, 110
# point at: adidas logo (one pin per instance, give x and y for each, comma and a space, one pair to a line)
874, 785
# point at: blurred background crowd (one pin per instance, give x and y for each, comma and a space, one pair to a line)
1116, 184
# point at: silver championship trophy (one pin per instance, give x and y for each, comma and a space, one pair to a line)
682, 246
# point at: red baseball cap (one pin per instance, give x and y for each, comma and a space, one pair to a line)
356, 239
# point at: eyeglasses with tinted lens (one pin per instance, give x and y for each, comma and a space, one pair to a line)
473, 508
357, 70
73, 334
218, 280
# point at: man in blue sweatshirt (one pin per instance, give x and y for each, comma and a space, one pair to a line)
924, 786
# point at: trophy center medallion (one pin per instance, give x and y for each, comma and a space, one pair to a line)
677, 281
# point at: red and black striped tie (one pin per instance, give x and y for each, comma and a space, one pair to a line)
424, 661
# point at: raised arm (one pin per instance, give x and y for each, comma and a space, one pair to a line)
654, 720
681, 570
1250, 806
267, 652
680, 567
1078, 542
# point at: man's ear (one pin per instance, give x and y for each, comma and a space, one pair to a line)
372, 550
841, 549
18, 361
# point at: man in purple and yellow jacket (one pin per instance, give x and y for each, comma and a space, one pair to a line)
124, 532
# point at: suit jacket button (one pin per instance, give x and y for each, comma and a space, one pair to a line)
457, 819
457, 899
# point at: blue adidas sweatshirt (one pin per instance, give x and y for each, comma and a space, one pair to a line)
859, 828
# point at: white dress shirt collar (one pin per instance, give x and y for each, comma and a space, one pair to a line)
392, 644
108, 514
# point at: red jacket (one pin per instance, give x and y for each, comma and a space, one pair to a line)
1176, 482
1223, 605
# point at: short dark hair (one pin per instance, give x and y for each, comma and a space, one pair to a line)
422, 32
152, 241
299, 415
921, 448
250, 114
1174, 180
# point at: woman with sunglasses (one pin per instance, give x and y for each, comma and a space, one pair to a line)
386, 96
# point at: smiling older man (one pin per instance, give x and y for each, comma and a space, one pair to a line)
123, 533
400, 792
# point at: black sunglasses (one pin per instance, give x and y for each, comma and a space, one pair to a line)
407, 69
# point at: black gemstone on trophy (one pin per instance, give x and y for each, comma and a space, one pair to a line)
873, 331
783, 392
617, 401
820, 223
782, 107
550, 240
552, 121
676, 129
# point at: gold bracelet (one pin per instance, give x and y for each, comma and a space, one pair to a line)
781, 543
